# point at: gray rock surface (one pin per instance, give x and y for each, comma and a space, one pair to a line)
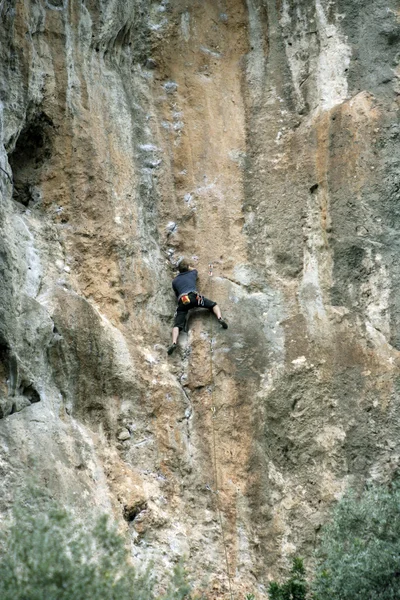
256, 136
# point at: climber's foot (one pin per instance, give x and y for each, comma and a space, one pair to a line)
171, 349
223, 323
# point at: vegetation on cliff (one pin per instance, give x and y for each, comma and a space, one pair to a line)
295, 588
46, 553
359, 554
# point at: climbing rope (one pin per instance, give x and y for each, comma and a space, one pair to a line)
214, 445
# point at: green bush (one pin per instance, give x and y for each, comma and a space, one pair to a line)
45, 553
295, 588
359, 556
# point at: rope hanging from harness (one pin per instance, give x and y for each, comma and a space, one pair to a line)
215, 465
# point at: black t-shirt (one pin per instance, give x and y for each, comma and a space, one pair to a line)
184, 283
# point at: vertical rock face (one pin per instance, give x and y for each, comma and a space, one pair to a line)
260, 137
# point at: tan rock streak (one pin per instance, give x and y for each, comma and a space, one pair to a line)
260, 137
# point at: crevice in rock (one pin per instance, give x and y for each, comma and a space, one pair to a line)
8, 369
29, 392
184, 392
55, 4
32, 150
5, 404
130, 512
187, 416
14, 396
24, 397
129, 40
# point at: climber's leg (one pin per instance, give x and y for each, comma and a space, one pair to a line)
179, 324
213, 306
217, 313
175, 335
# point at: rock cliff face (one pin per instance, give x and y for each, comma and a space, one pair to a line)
261, 136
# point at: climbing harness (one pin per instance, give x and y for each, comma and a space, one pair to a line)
200, 300
184, 298
214, 444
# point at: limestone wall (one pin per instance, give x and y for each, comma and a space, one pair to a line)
260, 136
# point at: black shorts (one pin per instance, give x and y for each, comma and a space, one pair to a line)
182, 309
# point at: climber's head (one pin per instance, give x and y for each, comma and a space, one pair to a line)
183, 266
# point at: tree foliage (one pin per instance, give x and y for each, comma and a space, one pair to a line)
359, 556
46, 553
295, 588
359, 553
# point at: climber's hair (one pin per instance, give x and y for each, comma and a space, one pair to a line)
183, 266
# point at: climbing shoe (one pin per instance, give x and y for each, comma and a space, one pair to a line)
171, 349
223, 323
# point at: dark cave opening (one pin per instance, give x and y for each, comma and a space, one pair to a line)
4, 367
14, 396
32, 150
131, 512
28, 391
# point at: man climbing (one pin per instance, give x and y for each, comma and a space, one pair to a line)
184, 286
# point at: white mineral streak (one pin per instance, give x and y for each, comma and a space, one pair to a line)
74, 84
333, 61
37, 71
300, 44
310, 291
185, 26
380, 343
33, 268
330, 437
256, 56
317, 275
377, 291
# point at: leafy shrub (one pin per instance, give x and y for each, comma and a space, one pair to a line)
295, 588
359, 556
45, 553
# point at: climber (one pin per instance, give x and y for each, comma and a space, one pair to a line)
184, 286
